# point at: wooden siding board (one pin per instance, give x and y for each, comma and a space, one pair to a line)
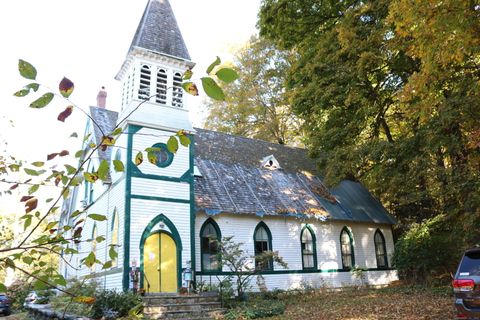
156, 188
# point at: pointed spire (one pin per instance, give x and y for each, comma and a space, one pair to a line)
158, 31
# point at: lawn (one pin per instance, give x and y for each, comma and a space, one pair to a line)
369, 304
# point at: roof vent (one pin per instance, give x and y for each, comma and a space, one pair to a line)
270, 162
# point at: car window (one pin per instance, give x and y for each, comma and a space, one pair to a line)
3, 298
470, 264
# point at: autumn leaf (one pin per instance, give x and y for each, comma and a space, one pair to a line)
66, 87
51, 156
188, 74
65, 114
172, 144
13, 187
25, 198
190, 88
139, 158
63, 153
31, 205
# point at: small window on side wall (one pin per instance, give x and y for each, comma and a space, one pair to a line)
263, 242
209, 237
346, 246
380, 250
163, 157
309, 251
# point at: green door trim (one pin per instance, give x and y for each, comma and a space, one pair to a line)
176, 238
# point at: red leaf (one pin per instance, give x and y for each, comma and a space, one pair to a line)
27, 181
25, 198
31, 205
65, 114
52, 155
15, 186
57, 180
78, 232
64, 153
66, 87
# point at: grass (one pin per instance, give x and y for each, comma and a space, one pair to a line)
404, 302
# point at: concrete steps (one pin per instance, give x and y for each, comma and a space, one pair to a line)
192, 307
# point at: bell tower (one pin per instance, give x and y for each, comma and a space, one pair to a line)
152, 72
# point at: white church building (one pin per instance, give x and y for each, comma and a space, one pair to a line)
163, 217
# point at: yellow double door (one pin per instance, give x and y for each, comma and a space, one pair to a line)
160, 263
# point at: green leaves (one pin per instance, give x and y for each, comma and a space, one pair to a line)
27, 70
103, 170
112, 253
118, 166
187, 75
90, 260
172, 144
97, 217
43, 101
66, 87
227, 75
212, 89
3, 288
213, 65
139, 158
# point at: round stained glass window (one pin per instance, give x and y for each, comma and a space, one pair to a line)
163, 157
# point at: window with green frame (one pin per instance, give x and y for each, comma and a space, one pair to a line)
210, 235
309, 248
380, 250
346, 246
262, 239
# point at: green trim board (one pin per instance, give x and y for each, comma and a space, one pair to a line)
131, 130
273, 272
138, 174
175, 236
350, 236
218, 234
307, 228
191, 180
142, 197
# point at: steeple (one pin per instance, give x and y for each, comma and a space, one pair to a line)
158, 31
152, 71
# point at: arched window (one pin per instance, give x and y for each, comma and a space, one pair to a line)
94, 245
114, 229
209, 236
380, 250
144, 88
309, 248
161, 86
346, 245
262, 239
177, 92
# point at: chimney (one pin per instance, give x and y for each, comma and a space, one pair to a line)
102, 98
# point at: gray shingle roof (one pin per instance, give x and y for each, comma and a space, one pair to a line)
158, 31
233, 181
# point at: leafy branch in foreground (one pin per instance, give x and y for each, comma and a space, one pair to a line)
43, 231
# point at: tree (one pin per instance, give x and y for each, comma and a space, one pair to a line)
236, 260
44, 234
389, 93
257, 104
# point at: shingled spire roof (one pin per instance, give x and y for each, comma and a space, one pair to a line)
158, 31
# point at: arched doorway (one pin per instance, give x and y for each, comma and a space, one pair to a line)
160, 262
160, 256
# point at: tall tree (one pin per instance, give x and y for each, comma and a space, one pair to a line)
257, 104
389, 93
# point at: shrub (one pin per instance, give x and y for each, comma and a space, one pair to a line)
428, 251
112, 304
17, 292
258, 308
64, 303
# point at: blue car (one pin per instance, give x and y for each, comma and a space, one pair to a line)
5, 305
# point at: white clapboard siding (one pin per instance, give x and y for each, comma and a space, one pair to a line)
146, 138
121, 148
158, 188
106, 204
286, 240
144, 211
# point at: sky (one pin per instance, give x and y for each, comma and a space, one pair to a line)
87, 41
